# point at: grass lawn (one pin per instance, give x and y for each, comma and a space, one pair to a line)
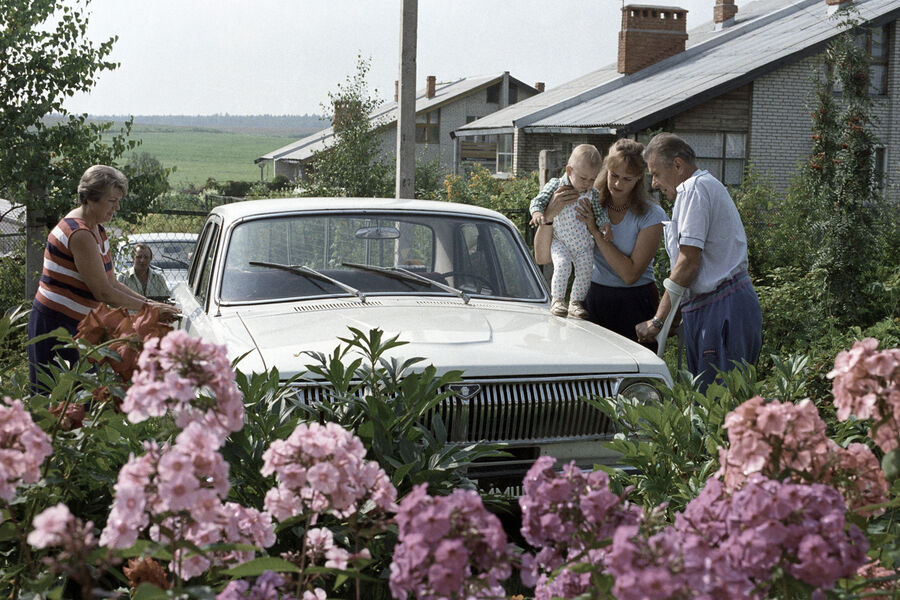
199, 154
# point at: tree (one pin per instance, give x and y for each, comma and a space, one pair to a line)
841, 176
45, 58
353, 165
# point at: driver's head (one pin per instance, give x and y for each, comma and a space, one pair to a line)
142, 257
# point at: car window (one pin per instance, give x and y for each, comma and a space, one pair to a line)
449, 250
206, 265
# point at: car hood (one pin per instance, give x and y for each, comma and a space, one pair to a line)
483, 339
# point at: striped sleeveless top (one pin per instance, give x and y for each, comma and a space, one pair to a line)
61, 288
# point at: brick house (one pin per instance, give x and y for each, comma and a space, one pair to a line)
738, 88
441, 107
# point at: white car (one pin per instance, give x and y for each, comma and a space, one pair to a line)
273, 278
172, 254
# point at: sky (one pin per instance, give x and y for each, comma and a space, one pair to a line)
247, 57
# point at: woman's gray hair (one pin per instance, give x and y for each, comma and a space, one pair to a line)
97, 180
667, 147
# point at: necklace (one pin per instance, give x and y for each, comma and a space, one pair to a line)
617, 209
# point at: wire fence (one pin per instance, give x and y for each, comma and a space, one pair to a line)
12, 228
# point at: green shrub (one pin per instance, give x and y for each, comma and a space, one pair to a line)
508, 196
279, 182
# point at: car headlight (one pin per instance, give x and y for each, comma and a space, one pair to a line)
641, 392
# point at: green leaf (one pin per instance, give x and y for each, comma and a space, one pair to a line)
260, 565
148, 591
7, 531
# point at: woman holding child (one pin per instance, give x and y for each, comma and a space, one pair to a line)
623, 288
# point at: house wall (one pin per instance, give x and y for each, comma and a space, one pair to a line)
453, 116
780, 122
529, 146
781, 125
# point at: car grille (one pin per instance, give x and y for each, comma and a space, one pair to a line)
528, 411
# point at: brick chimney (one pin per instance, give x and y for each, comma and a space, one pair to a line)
430, 82
723, 13
835, 5
539, 86
650, 34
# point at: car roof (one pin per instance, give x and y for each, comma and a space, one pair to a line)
248, 208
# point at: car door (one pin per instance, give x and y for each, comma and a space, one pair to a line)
195, 299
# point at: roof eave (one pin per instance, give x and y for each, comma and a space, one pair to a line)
577, 130
462, 133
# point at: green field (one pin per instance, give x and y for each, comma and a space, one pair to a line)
199, 154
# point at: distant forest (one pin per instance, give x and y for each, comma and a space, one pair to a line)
274, 123
271, 124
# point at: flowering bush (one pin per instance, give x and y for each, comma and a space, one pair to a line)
23, 448
268, 586
867, 384
568, 516
449, 547
775, 525
74, 540
188, 378
734, 545
781, 440
178, 492
322, 469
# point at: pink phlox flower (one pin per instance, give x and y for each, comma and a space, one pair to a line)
567, 516
324, 467
867, 385
189, 378
318, 541
336, 558
23, 448
50, 526
473, 534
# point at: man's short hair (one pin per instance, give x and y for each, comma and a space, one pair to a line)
145, 247
667, 147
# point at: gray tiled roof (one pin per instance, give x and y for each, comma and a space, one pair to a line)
765, 35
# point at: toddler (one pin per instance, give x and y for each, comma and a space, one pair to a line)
572, 243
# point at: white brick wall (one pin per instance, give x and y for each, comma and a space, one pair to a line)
780, 120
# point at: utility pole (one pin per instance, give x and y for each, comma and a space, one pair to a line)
406, 102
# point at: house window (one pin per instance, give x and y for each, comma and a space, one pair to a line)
875, 42
513, 96
504, 153
428, 128
493, 94
723, 154
880, 158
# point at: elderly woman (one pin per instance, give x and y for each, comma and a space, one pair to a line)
78, 273
623, 289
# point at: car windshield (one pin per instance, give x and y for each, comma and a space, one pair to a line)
463, 256
167, 254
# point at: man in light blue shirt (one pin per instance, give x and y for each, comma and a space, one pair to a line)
707, 247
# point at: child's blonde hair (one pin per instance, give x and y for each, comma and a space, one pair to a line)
587, 155
626, 155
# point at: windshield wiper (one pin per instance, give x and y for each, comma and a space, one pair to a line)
301, 270
406, 275
175, 259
